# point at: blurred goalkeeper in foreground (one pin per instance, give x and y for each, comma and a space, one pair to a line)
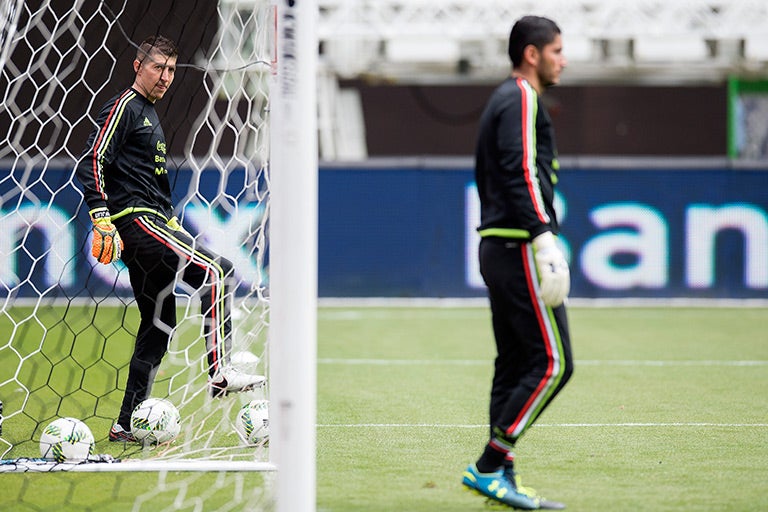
125, 182
525, 271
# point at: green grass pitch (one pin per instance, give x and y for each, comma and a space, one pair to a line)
667, 410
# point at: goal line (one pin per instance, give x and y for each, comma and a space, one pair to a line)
548, 425
26, 465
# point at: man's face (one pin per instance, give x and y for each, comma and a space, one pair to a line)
551, 62
154, 74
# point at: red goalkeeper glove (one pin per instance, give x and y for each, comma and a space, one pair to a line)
107, 246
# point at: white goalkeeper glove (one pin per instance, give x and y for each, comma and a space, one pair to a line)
554, 276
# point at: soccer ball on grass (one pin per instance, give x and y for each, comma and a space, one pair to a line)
252, 422
155, 421
67, 440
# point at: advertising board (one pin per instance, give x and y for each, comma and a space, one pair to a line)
409, 231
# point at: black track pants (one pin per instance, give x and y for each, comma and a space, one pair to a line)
156, 255
534, 358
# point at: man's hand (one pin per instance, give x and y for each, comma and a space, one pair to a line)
106, 245
554, 276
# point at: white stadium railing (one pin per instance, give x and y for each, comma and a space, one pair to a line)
670, 40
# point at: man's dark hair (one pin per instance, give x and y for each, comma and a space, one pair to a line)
534, 30
159, 44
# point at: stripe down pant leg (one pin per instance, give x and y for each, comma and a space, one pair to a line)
534, 359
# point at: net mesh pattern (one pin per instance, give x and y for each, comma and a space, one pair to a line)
68, 323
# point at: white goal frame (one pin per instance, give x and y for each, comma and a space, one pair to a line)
293, 268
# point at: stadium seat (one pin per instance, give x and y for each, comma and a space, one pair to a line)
579, 49
756, 48
670, 48
422, 49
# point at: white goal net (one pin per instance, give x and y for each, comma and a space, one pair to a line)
68, 324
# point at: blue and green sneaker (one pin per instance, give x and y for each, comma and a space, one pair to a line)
544, 504
498, 488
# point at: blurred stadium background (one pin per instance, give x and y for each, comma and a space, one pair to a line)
661, 120
662, 124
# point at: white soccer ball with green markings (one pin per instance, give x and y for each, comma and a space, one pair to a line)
155, 421
66, 440
252, 422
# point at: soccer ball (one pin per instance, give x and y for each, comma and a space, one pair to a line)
67, 440
155, 421
252, 422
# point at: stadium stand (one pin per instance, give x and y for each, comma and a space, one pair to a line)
670, 42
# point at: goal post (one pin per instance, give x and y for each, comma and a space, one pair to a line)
294, 239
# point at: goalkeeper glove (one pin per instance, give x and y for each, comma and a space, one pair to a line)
554, 276
107, 246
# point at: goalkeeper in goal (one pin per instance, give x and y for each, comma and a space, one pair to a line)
125, 184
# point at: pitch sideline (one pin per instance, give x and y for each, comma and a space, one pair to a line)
548, 425
583, 362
